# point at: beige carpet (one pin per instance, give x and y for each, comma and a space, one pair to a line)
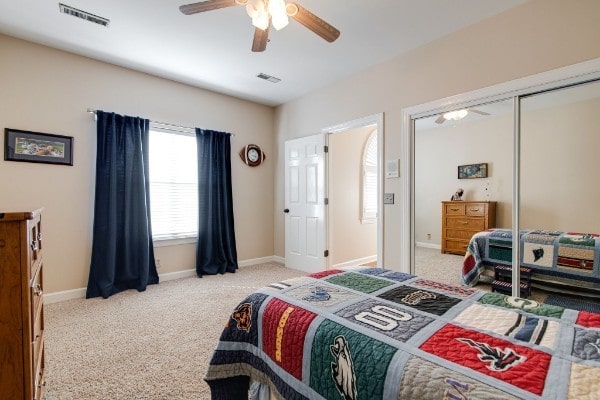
150, 345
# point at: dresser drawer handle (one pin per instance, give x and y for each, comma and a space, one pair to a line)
455, 209
474, 209
37, 290
464, 222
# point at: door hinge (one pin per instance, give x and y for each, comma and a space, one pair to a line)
326, 200
326, 149
326, 253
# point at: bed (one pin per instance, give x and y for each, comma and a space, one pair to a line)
370, 333
560, 261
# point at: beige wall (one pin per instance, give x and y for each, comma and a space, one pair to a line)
350, 239
48, 90
560, 165
520, 42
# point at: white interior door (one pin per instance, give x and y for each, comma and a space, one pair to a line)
305, 203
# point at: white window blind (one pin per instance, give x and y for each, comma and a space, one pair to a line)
173, 185
369, 181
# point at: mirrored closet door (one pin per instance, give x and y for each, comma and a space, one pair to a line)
469, 150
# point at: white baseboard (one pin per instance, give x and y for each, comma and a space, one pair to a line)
56, 297
358, 261
64, 295
429, 245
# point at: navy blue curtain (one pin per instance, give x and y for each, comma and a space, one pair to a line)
122, 252
216, 251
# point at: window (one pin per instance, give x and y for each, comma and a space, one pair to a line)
173, 185
369, 180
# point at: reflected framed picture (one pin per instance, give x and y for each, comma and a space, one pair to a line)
37, 147
473, 171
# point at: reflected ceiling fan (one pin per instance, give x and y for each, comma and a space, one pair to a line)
265, 13
458, 115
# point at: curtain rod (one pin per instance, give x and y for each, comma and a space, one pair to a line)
178, 127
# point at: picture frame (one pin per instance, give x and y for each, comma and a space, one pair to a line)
37, 147
472, 171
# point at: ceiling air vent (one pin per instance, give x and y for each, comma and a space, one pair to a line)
268, 78
83, 15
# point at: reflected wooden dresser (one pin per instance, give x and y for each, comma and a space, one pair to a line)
461, 220
21, 306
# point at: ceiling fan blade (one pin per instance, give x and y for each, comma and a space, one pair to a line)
440, 120
260, 40
207, 5
473, 110
312, 22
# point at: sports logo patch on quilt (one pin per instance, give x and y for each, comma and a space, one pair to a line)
517, 365
396, 322
283, 334
334, 377
321, 294
444, 288
242, 321
586, 345
540, 255
420, 299
579, 239
443, 383
510, 323
360, 282
530, 306
578, 258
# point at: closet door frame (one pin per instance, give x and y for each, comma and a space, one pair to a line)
562, 77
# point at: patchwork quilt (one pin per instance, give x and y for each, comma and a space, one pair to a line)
566, 257
370, 333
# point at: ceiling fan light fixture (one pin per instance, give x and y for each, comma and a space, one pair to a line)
456, 115
279, 17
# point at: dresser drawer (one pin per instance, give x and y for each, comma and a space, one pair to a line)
456, 246
476, 209
455, 209
466, 223
459, 234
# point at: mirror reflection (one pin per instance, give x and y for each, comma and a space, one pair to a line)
463, 183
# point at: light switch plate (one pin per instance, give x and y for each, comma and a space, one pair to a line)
388, 198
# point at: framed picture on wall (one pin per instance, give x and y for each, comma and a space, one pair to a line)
473, 171
37, 147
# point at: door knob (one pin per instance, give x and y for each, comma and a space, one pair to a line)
287, 210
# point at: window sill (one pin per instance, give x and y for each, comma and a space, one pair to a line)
368, 220
174, 242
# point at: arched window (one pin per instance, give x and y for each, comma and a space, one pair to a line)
368, 213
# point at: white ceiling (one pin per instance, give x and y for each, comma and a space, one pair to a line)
212, 50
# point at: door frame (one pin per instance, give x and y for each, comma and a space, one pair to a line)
376, 120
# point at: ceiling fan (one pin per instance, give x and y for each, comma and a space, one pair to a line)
265, 13
458, 114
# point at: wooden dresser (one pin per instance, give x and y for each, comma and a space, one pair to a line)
461, 220
21, 306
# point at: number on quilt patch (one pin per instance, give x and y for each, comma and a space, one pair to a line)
383, 317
